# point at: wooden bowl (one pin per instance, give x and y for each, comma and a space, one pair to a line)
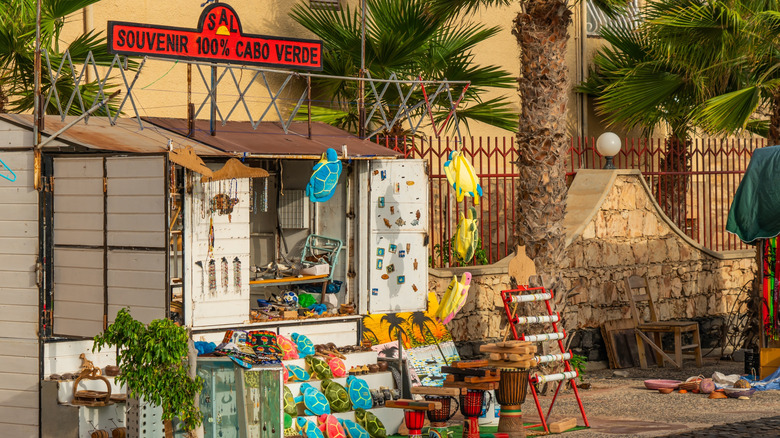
665, 390
658, 384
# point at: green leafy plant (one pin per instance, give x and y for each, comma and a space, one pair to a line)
445, 253
579, 363
151, 361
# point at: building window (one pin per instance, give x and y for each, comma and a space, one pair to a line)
325, 4
598, 19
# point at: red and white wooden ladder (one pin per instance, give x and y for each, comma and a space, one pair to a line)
527, 294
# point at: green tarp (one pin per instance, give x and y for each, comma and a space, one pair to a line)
755, 210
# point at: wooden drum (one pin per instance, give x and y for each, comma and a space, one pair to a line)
512, 388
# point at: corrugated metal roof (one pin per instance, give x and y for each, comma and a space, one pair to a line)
124, 136
270, 140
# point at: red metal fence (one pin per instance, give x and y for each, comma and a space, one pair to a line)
696, 196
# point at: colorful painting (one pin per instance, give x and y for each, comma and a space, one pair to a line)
416, 329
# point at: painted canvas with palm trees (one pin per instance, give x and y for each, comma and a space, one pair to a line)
427, 344
416, 329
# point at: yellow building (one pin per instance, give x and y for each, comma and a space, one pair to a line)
162, 87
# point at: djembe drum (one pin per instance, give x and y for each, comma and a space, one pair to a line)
440, 417
414, 422
512, 388
472, 406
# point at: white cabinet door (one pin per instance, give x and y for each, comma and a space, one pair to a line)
398, 247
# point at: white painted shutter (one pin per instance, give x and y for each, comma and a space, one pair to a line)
78, 246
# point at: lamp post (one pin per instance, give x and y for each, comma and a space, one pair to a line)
608, 144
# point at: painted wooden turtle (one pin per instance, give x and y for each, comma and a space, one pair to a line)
371, 423
319, 368
359, 393
314, 401
330, 427
353, 429
289, 349
305, 346
337, 367
337, 396
308, 428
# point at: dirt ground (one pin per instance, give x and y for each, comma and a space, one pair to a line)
622, 407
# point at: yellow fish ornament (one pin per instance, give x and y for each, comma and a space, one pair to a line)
465, 245
454, 299
461, 175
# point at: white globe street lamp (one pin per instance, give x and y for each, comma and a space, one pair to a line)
608, 144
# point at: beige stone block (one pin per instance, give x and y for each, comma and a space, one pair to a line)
610, 255
656, 249
672, 249
592, 255
690, 310
635, 223
701, 305
649, 225
639, 249
628, 197
616, 225
676, 287
654, 271
590, 231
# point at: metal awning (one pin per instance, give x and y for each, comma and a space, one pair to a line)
99, 135
270, 141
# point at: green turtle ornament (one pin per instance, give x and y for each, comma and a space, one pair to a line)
314, 401
319, 368
324, 177
297, 374
359, 393
289, 403
308, 428
371, 423
337, 396
353, 429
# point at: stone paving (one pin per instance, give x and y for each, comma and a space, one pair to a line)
763, 427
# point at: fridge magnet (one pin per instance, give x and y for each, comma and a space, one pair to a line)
408, 247
414, 287
383, 174
401, 253
415, 222
400, 222
374, 291
379, 264
376, 172
415, 264
410, 183
387, 223
385, 276
397, 188
401, 279
380, 252
381, 202
392, 210
390, 268
393, 248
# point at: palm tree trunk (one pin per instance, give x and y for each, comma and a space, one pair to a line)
774, 121
542, 33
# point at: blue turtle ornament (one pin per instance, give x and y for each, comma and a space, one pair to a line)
314, 401
359, 393
305, 346
308, 428
324, 177
297, 374
353, 429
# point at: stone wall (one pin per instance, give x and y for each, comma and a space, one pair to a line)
614, 229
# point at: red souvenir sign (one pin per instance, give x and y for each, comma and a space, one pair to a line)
218, 38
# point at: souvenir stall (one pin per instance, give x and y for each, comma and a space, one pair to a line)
281, 265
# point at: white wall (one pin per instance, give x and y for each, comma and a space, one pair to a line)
18, 294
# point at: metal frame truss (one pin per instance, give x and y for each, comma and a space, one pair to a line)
411, 110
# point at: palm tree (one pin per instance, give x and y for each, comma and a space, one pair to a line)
420, 321
410, 38
17, 53
395, 326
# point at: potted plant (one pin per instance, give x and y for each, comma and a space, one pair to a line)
152, 364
